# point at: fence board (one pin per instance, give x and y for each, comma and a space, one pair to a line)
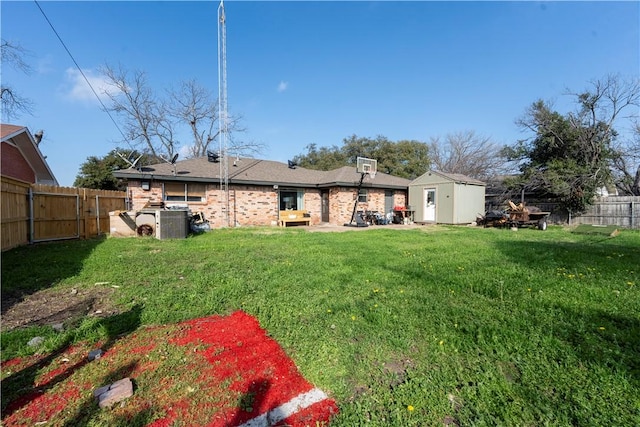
15, 213
622, 211
55, 213
55, 216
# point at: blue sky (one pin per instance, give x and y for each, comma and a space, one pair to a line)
317, 72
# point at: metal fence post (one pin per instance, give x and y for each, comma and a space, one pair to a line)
31, 225
97, 215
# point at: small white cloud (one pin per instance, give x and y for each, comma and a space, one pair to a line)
185, 151
45, 64
77, 88
283, 86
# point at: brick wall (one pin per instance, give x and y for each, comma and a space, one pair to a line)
253, 205
341, 201
14, 165
258, 205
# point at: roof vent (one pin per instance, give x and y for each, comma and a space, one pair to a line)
292, 164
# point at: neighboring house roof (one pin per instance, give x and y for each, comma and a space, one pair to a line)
260, 172
21, 138
455, 177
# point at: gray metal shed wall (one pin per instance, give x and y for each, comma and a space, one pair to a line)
456, 203
469, 203
445, 203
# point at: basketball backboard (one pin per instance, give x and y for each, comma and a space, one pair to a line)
368, 166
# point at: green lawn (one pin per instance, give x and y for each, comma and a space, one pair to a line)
467, 325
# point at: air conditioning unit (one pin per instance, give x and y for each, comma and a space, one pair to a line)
172, 224
163, 224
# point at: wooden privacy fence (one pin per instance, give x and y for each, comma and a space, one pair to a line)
38, 213
622, 211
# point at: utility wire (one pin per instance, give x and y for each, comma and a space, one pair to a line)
104, 108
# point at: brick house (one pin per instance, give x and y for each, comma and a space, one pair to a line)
21, 158
260, 190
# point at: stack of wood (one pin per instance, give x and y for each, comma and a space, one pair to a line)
518, 212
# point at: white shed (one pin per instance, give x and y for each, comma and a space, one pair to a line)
446, 198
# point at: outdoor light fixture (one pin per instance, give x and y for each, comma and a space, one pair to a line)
146, 186
275, 187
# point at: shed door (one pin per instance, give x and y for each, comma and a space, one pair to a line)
429, 199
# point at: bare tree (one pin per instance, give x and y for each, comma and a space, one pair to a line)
601, 107
626, 163
466, 153
144, 117
14, 104
193, 105
152, 124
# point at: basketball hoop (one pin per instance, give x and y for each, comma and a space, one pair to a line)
364, 167
368, 166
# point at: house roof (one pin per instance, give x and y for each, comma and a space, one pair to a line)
22, 139
455, 177
250, 171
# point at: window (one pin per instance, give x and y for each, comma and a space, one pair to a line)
179, 192
363, 195
291, 200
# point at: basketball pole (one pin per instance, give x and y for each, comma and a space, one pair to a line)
355, 204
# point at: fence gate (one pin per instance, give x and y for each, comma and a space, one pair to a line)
53, 216
34, 213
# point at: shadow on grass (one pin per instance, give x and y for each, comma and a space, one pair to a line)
19, 389
607, 340
250, 403
596, 336
602, 254
89, 407
28, 269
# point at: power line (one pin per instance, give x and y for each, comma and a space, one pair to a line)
104, 108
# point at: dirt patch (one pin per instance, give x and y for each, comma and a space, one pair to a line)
51, 306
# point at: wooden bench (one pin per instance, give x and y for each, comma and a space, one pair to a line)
288, 217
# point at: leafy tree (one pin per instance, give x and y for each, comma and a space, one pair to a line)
13, 104
570, 156
408, 159
97, 172
323, 158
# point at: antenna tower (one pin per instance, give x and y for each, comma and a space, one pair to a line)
222, 111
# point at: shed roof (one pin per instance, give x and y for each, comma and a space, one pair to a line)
250, 171
22, 139
454, 177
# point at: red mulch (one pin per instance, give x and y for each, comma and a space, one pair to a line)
213, 371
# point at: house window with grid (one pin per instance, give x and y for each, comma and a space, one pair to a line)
363, 195
181, 192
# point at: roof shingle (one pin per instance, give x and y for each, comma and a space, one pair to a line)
259, 172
